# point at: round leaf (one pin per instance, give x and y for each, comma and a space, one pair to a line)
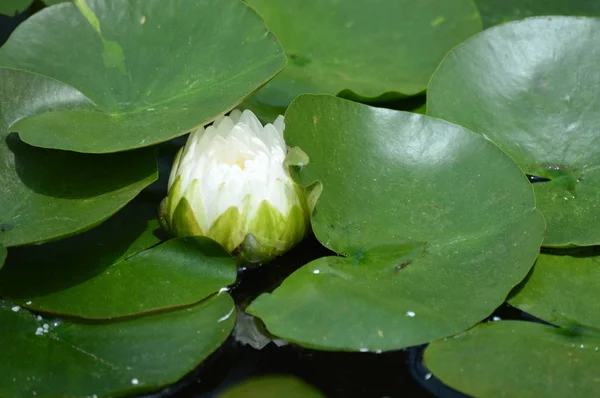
562, 289
366, 48
517, 359
272, 387
149, 72
529, 86
121, 358
99, 275
51, 194
436, 223
494, 12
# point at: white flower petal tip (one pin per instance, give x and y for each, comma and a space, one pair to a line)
231, 183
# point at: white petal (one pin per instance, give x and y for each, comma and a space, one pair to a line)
279, 124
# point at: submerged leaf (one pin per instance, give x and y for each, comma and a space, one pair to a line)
272, 387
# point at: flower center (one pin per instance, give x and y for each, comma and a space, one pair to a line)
238, 158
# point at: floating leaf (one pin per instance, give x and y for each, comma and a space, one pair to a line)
494, 12
529, 86
120, 358
51, 194
517, 359
146, 71
272, 387
436, 223
14, 7
100, 274
562, 289
367, 49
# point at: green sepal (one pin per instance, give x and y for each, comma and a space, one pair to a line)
183, 222
267, 224
227, 229
295, 229
173, 198
251, 252
260, 245
194, 198
272, 234
163, 215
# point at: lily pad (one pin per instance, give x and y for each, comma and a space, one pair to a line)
120, 358
14, 7
105, 274
145, 72
272, 387
563, 289
367, 49
434, 223
52, 194
517, 359
494, 12
529, 86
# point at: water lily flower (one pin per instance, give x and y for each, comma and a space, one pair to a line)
230, 183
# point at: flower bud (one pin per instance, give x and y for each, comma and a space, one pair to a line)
230, 183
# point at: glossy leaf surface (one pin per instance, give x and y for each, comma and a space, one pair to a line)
530, 87
435, 224
563, 290
144, 71
52, 194
517, 359
109, 359
365, 48
106, 272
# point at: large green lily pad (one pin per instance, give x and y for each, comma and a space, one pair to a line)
51, 194
530, 87
367, 49
146, 71
110, 359
563, 289
517, 359
272, 387
494, 12
105, 274
434, 223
